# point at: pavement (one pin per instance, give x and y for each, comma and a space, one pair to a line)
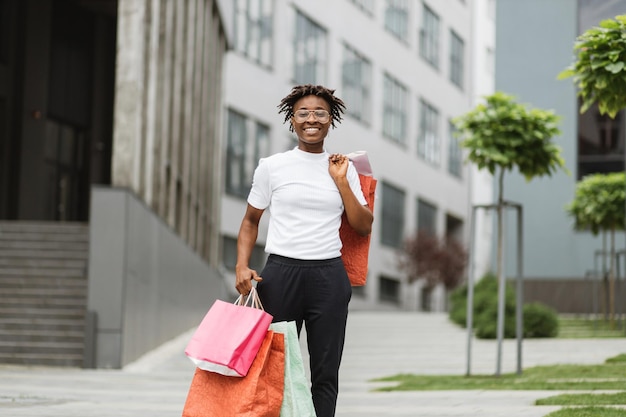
378, 344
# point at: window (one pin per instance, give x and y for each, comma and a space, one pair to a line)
429, 37
394, 110
389, 290
454, 228
457, 52
600, 142
248, 141
229, 256
309, 51
366, 5
356, 79
253, 30
428, 139
426, 217
397, 18
392, 216
455, 154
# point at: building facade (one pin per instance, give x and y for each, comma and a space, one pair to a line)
110, 119
535, 43
404, 70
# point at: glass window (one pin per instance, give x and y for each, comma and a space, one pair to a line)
389, 290
395, 97
392, 216
426, 217
455, 154
366, 5
429, 37
600, 142
457, 53
309, 51
253, 30
397, 18
357, 80
247, 142
428, 139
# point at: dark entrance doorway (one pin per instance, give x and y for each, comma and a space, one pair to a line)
61, 108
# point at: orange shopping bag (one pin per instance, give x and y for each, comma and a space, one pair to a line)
258, 394
355, 248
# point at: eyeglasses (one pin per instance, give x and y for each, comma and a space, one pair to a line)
302, 116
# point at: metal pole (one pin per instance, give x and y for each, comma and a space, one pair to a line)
520, 290
501, 287
470, 293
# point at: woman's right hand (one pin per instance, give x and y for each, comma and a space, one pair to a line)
243, 280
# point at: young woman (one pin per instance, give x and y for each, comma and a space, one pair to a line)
306, 190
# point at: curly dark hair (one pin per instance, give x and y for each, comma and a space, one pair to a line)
336, 105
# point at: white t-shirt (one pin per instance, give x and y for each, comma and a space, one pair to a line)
304, 204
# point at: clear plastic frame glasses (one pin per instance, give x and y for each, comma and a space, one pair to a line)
301, 116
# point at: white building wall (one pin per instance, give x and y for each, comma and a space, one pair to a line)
256, 92
482, 84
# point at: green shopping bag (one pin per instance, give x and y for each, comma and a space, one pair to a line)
297, 399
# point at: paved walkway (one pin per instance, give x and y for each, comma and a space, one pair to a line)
378, 344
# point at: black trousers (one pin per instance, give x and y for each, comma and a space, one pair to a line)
316, 293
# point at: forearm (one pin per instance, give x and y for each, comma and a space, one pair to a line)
248, 233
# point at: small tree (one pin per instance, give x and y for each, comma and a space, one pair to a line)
599, 71
501, 135
434, 260
598, 205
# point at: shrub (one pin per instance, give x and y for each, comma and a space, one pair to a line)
539, 320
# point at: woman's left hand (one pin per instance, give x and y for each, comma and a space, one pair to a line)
338, 166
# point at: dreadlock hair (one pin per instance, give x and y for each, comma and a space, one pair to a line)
336, 105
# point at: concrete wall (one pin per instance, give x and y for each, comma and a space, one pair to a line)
146, 285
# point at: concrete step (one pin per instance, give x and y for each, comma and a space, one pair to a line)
43, 292
44, 359
47, 254
51, 312
42, 263
40, 290
44, 301
42, 282
19, 243
42, 324
42, 272
19, 335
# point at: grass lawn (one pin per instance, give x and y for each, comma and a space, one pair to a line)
585, 399
588, 412
575, 327
610, 375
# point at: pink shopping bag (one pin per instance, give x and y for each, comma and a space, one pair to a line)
230, 336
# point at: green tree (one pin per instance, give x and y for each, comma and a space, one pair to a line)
599, 70
502, 135
599, 73
598, 205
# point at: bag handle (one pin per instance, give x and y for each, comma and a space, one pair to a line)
252, 298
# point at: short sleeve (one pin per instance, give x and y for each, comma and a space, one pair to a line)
260, 193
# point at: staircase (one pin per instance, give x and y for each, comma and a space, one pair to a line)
43, 292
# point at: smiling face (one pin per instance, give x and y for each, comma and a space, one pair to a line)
311, 133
